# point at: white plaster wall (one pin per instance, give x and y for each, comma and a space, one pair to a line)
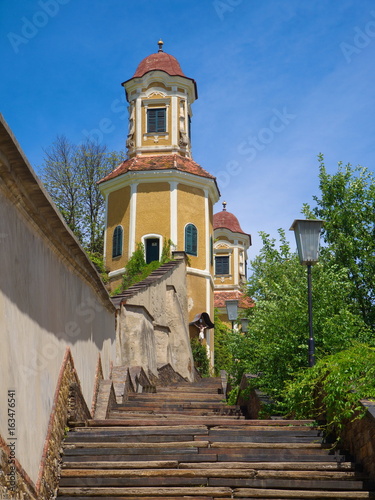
45, 306
139, 340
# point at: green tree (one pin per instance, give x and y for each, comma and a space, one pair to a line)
334, 387
70, 174
278, 333
347, 205
61, 180
232, 351
222, 351
201, 361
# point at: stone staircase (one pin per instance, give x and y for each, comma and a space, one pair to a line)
184, 442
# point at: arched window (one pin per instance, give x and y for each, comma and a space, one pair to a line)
191, 239
117, 242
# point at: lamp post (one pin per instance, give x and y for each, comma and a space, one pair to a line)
307, 233
232, 310
245, 325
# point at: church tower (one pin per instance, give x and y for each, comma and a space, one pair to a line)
159, 193
230, 250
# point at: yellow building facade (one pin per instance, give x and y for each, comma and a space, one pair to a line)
231, 244
159, 193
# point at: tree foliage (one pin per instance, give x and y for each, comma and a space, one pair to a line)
347, 205
231, 350
279, 332
70, 174
343, 305
200, 357
333, 388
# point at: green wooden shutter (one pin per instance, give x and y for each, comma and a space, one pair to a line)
117, 242
156, 120
222, 265
191, 239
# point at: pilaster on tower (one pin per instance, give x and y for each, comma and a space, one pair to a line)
160, 98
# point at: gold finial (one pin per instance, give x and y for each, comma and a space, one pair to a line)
160, 43
224, 206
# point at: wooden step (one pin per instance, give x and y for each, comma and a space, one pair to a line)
213, 473
183, 442
289, 466
179, 492
209, 492
178, 420
251, 493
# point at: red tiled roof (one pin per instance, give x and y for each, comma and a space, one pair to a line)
228, 221
160, 61
220, 296
158, 162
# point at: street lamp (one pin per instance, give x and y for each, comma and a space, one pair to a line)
232, 310
245, 325
307, 233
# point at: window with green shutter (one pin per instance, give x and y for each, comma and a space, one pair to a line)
222, 265
117, 242
156, 120
191, 239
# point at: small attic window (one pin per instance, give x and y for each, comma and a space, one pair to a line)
222, 264
156, 120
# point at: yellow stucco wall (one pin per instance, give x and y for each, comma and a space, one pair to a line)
153, 210
191, 209
211, 225
196, 286
118, 214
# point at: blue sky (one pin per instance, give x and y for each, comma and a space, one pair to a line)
278, 83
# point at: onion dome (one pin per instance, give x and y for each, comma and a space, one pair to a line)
226, 220
161, 61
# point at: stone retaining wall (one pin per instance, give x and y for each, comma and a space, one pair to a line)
359, 439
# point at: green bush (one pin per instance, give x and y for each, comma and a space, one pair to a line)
333, 387
201, 360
